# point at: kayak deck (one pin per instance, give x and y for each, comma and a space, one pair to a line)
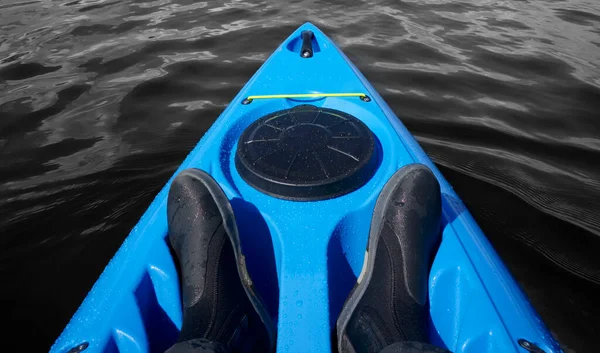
304, 257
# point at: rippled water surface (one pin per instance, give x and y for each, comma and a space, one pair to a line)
101, 100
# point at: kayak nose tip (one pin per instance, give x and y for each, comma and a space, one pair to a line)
308, 26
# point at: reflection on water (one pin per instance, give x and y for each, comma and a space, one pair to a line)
101, 100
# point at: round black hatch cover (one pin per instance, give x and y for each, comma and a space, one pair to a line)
307, 153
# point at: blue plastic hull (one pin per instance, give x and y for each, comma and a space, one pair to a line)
304, 256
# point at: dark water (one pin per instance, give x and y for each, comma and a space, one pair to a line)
101, 100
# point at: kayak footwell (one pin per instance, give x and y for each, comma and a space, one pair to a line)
302, 154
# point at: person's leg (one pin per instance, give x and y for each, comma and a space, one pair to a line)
389, 302
218, 306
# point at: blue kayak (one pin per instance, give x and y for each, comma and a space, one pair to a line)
304, 221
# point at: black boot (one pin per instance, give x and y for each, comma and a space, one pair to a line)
388, 302
220, 304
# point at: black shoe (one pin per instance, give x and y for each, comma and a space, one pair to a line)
220, 303
388, 302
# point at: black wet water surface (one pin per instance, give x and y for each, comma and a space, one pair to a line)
101, 100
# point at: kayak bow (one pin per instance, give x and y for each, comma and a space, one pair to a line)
304, 220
